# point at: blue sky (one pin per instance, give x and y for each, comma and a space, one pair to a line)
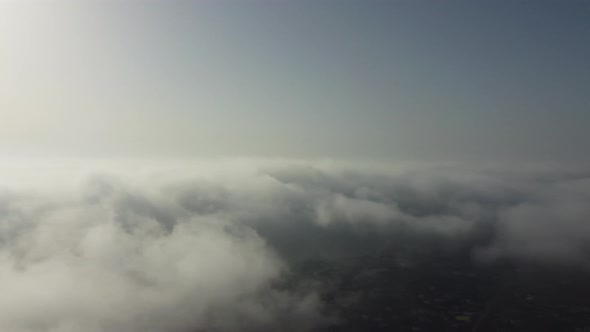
362, 80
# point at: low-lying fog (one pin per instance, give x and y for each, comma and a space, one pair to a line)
203, 246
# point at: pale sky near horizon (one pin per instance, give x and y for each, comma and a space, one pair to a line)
390, 80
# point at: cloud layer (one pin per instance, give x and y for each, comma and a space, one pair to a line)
207, 246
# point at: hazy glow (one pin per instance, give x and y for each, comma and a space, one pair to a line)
351, 80
173, 165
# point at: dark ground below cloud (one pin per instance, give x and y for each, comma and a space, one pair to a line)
407, 289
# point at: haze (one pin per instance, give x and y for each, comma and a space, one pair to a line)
387, 80
299, 166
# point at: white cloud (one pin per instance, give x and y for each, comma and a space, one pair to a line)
202, 245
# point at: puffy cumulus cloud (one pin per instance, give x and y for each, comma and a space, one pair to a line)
113, 258
208, 246
552, 224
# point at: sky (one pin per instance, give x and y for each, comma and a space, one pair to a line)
278, 132
355, 80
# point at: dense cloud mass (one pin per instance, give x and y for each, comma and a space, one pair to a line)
212, 247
